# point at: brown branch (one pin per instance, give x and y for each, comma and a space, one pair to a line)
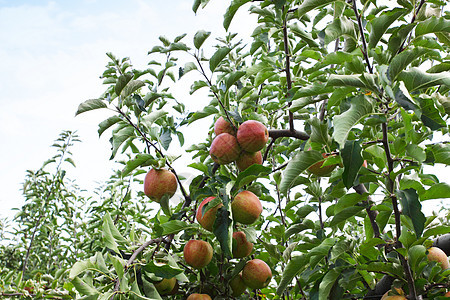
372, 214
363, 38
413, 19
278, 133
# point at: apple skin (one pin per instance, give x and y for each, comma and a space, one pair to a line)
196, 296
447, 294
237, 285
320, 171
256, 274
197, 253
241, 247
246, 208
247, 159
159, 182
224, 149
386, 295
222, 126
252, 135
208, 218
165, 286
437, 255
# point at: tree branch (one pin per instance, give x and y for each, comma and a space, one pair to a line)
277, 133
372, 214
363, 38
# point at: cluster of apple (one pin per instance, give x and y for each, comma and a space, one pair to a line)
242, 146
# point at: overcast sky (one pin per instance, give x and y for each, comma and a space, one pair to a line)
52, 54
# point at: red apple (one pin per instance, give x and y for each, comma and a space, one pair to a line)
247, 159
208, 218
165, 286
246, 208
438, 255
319, 170
222, 126
224, 149
197, 253
256, 274
447, 294
196, 296
159, 182
252, 135
237, 285
241, 247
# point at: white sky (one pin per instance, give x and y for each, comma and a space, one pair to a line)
52, 54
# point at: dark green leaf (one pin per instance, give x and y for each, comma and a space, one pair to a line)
200, 37
231, 11
432, 25
84, 288
197, 85
119, 137
122, 81
345, 214
132, 87
380, 24
430, 115
251, 173
413, 209
141, 159
233, 77
207, 111
296, 265
352, 159
437, 191
416, 79
402, 60
327, 283
223, 230
217, 57
309, 5
174, 226
163, 271
441, 153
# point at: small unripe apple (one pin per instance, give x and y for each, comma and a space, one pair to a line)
256, 274
165, 286
222, 126
197, 253
208, 218
224, 149
241, 247
246, 208
252, 135
319, 170
159, 182
438, 255
237, 285
247, 159
196, 296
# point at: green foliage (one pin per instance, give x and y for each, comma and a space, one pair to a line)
372, 104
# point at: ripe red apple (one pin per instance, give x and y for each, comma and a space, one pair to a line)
222, 126
447, 294
165, 286
241, 247
438, 255
246, 208
196, 296
208, 218
224, 149
197, 253
247, 159
159, 182
252, 135
237, 285
256, 274
318, 170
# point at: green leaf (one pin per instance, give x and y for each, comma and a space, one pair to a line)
352, 160
223, 230
430, 115
163, 271
84, 288
132, 87
119, 137
151, 118
360, 107
174, 226
402, 60
359, 81
90, 104
217, 57
110, 234
416, 152
380, 24
437, 231
122, 81
200, 37
327, 283
233, 77
107, 123
416, 79
309, 5
341, 26
319, 132
344, 214
299, 164
197, 85
412, 208
432, 25
141, 159
251, 173
304, 35
231, 11
189, 66
297, 228
437, 191
80, 267
207, 111
296, 265
441, 153
149, 289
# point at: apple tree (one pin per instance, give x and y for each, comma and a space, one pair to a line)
354, 98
